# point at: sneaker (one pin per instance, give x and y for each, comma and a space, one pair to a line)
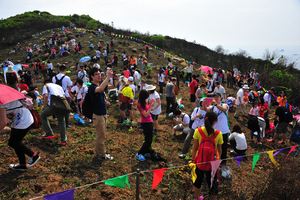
140, 157
64, 143
181, 155
18, 167
34, 159
107, 157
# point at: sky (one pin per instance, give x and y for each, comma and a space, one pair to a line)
251, 25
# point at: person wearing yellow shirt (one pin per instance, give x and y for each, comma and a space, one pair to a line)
126, 100
213, 135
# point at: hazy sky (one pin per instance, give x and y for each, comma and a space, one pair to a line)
253, 25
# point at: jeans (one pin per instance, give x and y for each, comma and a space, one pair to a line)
170, 104
148, 135
100, 124
187, 141
48, 111
224, 148
15, 141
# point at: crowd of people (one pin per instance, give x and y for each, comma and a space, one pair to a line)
206, 127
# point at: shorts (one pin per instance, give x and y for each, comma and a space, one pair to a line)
282, 127
154, 117
125, 106
207, 174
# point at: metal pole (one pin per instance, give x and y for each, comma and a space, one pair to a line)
137, 185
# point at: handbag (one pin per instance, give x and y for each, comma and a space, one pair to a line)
59, 104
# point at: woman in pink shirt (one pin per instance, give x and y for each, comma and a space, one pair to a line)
147, 125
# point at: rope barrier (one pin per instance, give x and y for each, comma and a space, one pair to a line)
168, 168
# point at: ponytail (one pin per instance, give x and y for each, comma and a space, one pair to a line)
210, 119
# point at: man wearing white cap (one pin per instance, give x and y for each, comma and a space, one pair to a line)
154, 99
240, 101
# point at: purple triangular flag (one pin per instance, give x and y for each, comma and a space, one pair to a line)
65, 195
278, 151
238, 160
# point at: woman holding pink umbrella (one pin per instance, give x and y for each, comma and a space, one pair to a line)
21, 119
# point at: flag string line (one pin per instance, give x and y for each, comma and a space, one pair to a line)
168, 168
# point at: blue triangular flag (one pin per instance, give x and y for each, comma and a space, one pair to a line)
65, 195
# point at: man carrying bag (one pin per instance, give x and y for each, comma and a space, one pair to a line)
55, 103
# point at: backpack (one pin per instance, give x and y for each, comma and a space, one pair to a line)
37, 121
207, 150
87, 106
59, 81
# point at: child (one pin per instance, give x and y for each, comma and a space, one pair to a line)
238, 141
202, 146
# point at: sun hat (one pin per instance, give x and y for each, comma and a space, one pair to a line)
150, 87
246, 87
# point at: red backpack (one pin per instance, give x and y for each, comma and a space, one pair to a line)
207, 150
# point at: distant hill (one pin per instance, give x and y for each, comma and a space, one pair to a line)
23, 26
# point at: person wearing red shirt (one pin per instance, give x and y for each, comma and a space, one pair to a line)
126, 72
193, 87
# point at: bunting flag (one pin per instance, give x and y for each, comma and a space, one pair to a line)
193, 171
293, 149
120, 181
256, 157
214, 167
238, 160
65, 195
158, 175
278, 151
271, 156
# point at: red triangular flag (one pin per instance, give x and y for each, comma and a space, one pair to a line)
293, 148
158, 175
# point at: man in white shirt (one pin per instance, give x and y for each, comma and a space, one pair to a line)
268, 97
240, 101
50, 89
183, 121
221, 109
65, 82
238, 141
80, 90
197, 117
155, 101
221, 90
82, 74
137, 77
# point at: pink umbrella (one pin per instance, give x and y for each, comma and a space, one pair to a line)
206, 69
9, 94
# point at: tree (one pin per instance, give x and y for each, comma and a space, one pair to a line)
219, 49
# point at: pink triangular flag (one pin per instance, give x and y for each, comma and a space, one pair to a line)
214, 167
293, 149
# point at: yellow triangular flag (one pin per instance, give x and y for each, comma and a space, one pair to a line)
193, 172
271, 156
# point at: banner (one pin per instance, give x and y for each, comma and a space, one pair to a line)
65, 195
256, 157
120, 181
158, 175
